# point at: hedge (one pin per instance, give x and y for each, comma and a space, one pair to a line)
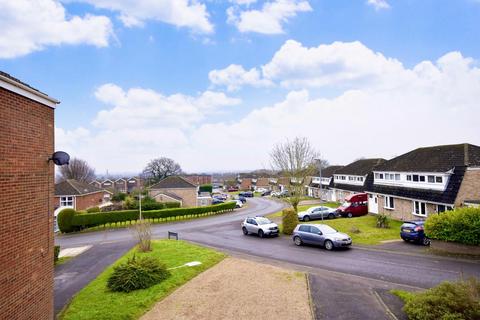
89, 220
461, 225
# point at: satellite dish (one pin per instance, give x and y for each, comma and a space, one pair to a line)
60, 158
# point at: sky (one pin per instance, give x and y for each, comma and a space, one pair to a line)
215, 84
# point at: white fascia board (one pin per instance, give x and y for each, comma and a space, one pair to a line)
25, 91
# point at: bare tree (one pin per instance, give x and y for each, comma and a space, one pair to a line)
160, 168
295, 159
77, 169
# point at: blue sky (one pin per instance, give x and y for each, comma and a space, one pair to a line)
170, 48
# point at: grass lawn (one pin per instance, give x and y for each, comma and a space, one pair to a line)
303, 208
369, 233
62, 260
95, 301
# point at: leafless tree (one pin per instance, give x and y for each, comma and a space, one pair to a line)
77, 169
160, 168
295, 159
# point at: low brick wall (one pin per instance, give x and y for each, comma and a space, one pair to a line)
455, 248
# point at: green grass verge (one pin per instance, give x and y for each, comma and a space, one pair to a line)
62, 260
369, 234
95, 301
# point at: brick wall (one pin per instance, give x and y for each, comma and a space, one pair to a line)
470, 188
26, 208
188, 195
84, 202
403, 209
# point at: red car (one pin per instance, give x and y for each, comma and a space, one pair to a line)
232, 189
354, 206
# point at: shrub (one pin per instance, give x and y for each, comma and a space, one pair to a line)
56, 252
130, 203
143, 233
447, 301
137, 273
383, 221
112, 207
93, 210
461, 225
120, 196
205, 188
354, 229
65, 220
289, 220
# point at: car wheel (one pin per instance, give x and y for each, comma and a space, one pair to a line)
245, 231
426, 241
349, 215
331, 216
328, 245
260, 233
297, 240
306, 218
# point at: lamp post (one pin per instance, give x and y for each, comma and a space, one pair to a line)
319, 162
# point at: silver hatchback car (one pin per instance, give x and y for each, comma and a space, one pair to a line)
320, 234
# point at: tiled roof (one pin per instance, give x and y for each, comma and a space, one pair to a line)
173, 182
329, 171
263, 182
73, 187
448, 196
172, 195
6, 75
434, 159
360, 167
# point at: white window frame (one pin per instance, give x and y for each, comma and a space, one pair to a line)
447, 208
64, 201
387, 201
424, 214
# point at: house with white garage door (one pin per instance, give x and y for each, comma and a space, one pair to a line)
353, 178
426, 181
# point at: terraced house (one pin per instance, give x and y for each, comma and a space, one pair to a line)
426, 181
324, 181
353, 178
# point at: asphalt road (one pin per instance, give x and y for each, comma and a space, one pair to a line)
345, 275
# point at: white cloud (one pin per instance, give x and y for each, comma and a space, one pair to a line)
181, 13
31, 25
378, 4
243, 2
434, 102
269, 19
235, 76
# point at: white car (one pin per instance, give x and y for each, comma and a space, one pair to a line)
317, 213
238, 203
261, 190
259, 225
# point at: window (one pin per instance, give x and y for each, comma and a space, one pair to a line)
351, 178
443, 208
389, 202
415, 177
419, 208
409, 177
438, 180
397, 176
377, 175
314, 230
304, 228
66, 201
431, 179
422, 178
107, 183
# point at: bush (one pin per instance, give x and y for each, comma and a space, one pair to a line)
289, 220
93, 210
354, 229
461, 225
130, 203
120, 196
65, 220
447, 301
205, 188
56, 252
383, 221
112, 207
137, 273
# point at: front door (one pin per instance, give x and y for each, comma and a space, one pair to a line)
372, 203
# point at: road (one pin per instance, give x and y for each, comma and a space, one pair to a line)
356, 273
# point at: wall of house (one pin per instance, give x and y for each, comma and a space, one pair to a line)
470, 188
403, 209
89, 200
26, 207
340, 195
188, 195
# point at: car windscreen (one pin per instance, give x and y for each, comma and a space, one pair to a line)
261, 221
327, 229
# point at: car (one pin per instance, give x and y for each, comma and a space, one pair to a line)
283, 193
217, 201
355, 205
232, 189
414, 231
238, 203
241, 198
220, 196
317, 213
320, 234
246, 194
260, 190
266, 193
259, 225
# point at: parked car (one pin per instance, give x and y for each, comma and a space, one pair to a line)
414, 231
354, 206
217, 201
241, 198
232, 189
259, 225
281, 194
260, 190
266, 193
320, 234
220, 196
246, 194
317, 213
238, 203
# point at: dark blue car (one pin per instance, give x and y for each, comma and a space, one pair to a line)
413, 231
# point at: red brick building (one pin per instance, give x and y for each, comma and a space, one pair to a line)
79, 195
26, 203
